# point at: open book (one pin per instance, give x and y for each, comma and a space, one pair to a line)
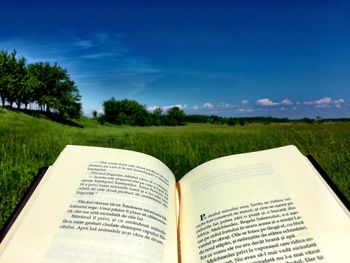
108, 205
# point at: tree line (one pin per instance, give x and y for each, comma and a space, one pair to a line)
46, 86
130, 112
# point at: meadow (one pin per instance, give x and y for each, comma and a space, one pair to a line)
28, 143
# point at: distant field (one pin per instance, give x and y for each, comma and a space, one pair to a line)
28, 143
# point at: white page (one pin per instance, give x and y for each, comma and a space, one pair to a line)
232, 184
44, 234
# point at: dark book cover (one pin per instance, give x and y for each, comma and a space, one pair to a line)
329, 181
22, 203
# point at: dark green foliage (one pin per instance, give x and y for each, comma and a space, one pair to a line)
17, 84
125, 111
174, 116
231, 121
308, 120
157, 117
55, 92
49, 86
101, 119
12, 78
130, 112
241, 122
197, 118
213, 119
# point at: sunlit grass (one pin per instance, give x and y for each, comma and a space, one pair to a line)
28, 143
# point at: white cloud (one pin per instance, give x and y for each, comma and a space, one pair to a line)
339, 103
323, 101
287, 102
326, 102
98, 55
244, 110
224, 105
266, 102
180, 106
268, 105
208, 105
166, 107
152, 108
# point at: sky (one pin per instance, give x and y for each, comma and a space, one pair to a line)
228, 58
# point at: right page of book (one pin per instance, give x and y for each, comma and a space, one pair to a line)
267, 206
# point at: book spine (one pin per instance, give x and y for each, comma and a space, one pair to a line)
329, 181
6, 227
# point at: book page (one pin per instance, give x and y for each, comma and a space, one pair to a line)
98, 205
268, 206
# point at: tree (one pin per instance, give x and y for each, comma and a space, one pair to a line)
156, 116
308, 120
4, 57
48, 85
5, 75
12, 76
49, 77
175, 116
28, 89
54, 90
111, 110
19, 90
125, 112
231, 121
66, 99
241, 121
38, 73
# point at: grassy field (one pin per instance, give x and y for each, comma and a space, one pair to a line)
28, 143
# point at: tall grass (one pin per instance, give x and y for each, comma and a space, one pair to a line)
28, 143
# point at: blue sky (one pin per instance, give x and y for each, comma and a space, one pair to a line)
230, 58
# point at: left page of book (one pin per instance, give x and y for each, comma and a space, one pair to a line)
98, 205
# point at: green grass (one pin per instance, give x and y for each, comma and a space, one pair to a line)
28, 143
